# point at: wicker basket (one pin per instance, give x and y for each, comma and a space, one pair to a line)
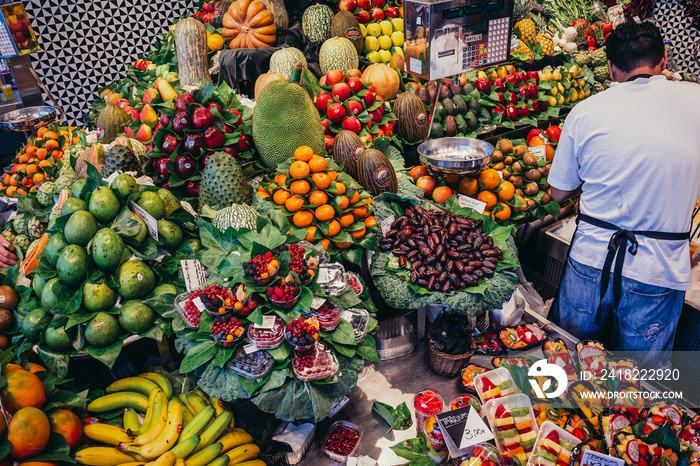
448, 364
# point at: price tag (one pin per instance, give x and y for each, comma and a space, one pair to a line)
538, 151
148, 219
471, 203
194, 273
415, 65
338, 406
268, 322
465, 428
23, 281
324, 275
198, 304
249, 348
385, 226
593, 458
317, 303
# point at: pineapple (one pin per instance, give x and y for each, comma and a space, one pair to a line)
524, 28
523, 48
544, 37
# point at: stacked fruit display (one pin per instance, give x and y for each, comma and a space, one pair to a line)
382, 39
367, 11
190, 426
346, 102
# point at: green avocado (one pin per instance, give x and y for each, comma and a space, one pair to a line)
171, 233
152, 203
72, 265
102, 330
124, 185
136, 317
104, 205
81, 227
73, 204
33, 324
107, 249
98, 297
54, 246
48, 297
136, 280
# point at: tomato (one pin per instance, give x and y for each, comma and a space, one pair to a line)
590, 40
533, 133
592, 49
581, 22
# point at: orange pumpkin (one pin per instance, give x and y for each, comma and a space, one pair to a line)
248, 25
265, 79
384, 79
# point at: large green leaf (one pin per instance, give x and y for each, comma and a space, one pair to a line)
198, 355
108, 355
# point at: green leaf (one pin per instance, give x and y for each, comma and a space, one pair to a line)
665, 436
56, 363
69, 298
79, 318
402, 417
108, 355
367, 349
223, 356
342, 334
63, 399
198, 354
5, 447
384, 412
56, 450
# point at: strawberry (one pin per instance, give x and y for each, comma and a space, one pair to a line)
643, 462
578, 433
647, 430
553, 436
501, 411
486, 384
658, 420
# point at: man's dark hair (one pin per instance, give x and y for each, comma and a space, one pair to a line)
632, 44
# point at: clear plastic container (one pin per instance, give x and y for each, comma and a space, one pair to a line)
231, 328
359, 319
331, 278
267, 338
255, 365
354, 283
513, 433
316, 363
283, 303
338, 432
328, 315
181, 301
483, 453
551, 447
464, 400
434, 433
501, 378
425, 404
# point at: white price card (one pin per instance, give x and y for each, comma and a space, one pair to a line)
538, 151
23, 281
385, 226
268, 322
317, 303
338, 406
249, 348
324, 276
148, 219
593, 458
471, 203
198, 304
194, 273
465, 428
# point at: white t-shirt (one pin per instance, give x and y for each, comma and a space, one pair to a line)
636, 149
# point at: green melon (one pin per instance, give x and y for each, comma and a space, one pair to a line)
237, 216
338, 53
316, 22
283, 61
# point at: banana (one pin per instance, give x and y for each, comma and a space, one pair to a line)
246, 463
158, 420
119, 400
217, 405
220, 461
196, 402
246, 452
180, 462
184, 449
161, 380
133, 463
133, 384
105, 433
197, 425
233, 439
205, 456
131, 421
165, 441
186, 416
102, 456
149, 414
186, 403
166, 459
212, 433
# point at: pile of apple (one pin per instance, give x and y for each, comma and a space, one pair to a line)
346, 102
187, 135
515, 93
372, 10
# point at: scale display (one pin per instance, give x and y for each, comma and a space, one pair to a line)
446, 38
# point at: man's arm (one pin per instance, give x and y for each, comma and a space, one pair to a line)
559, 195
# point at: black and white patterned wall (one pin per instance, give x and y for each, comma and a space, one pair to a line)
86, 44
677, 29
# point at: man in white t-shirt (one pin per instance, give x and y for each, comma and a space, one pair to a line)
633, 152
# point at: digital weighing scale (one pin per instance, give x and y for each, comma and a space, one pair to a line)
446, 38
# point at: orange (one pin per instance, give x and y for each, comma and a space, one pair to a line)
301, 187
11, 191
324, 213
303, 153
280, 196
453, 178
215, 42
318, 164
23, 158
325, 242
536, 141
34, 368
359, 233
294, 203
344, 245
441, 194
333, 228
31, 169
50, 135
41, 153
489, 198
21, 191
507, 190
522, 207
23, 390
489, 179
299, 169
503, 214
344, 203
318, 197
347, 219
371, 221
302, 219
469, 186
262, 193
340, 187
30, 150
57, 154
280, 179
38, 178
361, 212
14, 181
368, 200
333, 174
322, 180
51, 145
67, 424
41, 132
418, 171
12, 367
310, 233
355, 198
28, 433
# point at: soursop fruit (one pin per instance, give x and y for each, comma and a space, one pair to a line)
236, 216
223, 183
45, 193
20, 223
583, 58
599, 58
121, 158
35, 228
64, 181
8, 235
601, 73
21, 242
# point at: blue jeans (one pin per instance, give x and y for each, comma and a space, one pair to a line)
647, 316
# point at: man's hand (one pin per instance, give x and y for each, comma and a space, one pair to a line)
7, 254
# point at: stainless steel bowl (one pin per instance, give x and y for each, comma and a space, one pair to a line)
26, 119
462, 156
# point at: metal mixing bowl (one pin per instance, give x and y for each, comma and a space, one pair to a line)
26, 119
456, 155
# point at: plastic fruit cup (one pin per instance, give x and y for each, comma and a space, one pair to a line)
264, 281
285, 304
426, 403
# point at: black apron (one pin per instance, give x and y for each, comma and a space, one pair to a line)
616, 252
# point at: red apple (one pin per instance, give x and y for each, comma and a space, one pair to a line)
369, 97
211, 104
513, 98
326, 126
244, 143
347, 5
363, 16
180, 122
183, 99
377, 14
354, 83
483, 85
170, 143
231, 150
533, 75
379, 3
333, 77
524, 111
336, 112
185, 166
387, 129
501, 99
532, 90
523, 93
364, 4
510, 79
322, 101
536, 108
151, 164
511, 112
162, 169
202, 118
192, 188
520, 76
376, 115
391, 12
499, 84
328, 139
351, 123
354, 107
193, 143
341, 92
213, 138
165, 120
367, 139
354, 72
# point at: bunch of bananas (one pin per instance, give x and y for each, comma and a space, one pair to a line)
382, 40
190, 429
